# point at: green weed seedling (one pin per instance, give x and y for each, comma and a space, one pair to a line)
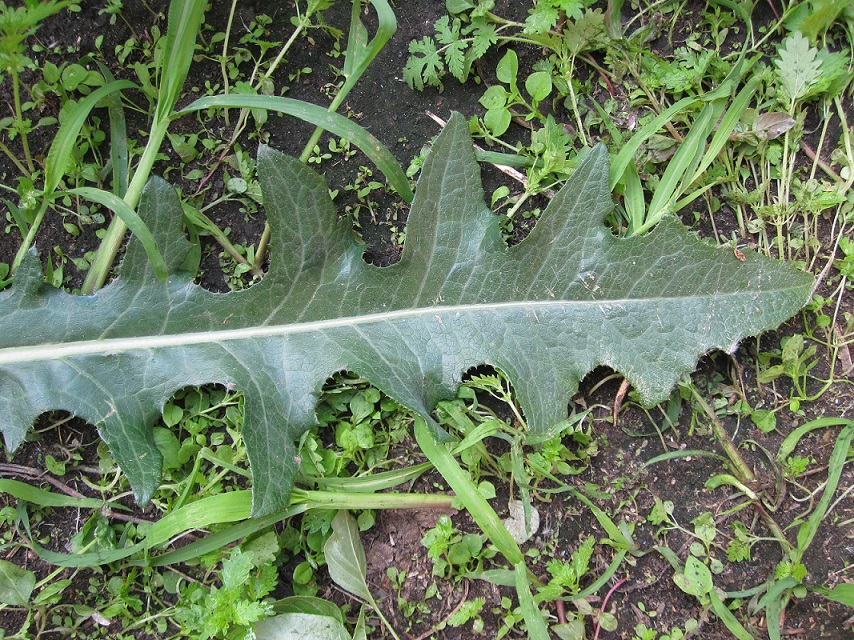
499, 101
455, 554
17, 25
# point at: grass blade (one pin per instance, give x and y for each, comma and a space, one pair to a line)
683, 163
617, 537
461, 483
332, 122
131, 220
685, 453
221, 538
536, 626
791, 441
726, 126
29, 493
602, 580
60, 151
372, 482
627, 153
837, 460
726, 616
226, 507
119, 156
185, 18
360, 53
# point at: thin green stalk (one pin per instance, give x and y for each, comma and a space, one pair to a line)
222, 59
244, 112
744, 472
353, 500
568, 78
19, 117
31, 235
114, 237
200, 219
522, 199
14, 159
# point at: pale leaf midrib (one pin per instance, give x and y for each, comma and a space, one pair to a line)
114, 346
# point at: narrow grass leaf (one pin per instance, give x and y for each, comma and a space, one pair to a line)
791, 441
332, 122
360, 53
808, 530
59, 154
617, 538
463, 486
360, 633
728, 479
478, 434
220, 538
222, 508
119, 155
185, 18
726, 616
16, 584
773, 602
685, 453
683, 163
133, 222
374, 481
534, 623
602, 580
627, 153
34, 495
726, 126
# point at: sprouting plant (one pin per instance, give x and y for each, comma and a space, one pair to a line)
499, 101
566, 576
230, 610
454, 553
17, 24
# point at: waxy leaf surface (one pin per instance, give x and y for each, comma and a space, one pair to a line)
568, 298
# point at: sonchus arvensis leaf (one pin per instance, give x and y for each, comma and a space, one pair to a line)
568, 298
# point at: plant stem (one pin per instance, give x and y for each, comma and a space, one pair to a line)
14, 159
114, 237
352, 500
742, 469
28, 240
19, 116
578, 123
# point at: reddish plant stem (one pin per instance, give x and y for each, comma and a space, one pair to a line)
605, 603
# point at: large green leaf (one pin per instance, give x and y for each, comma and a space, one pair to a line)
568, 298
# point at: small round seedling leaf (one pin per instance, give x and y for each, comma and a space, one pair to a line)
236, 185
16, 584
494, 98
72, 76
508, 68
696, 580
765, 420
497, 120
539, 85
608, 621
